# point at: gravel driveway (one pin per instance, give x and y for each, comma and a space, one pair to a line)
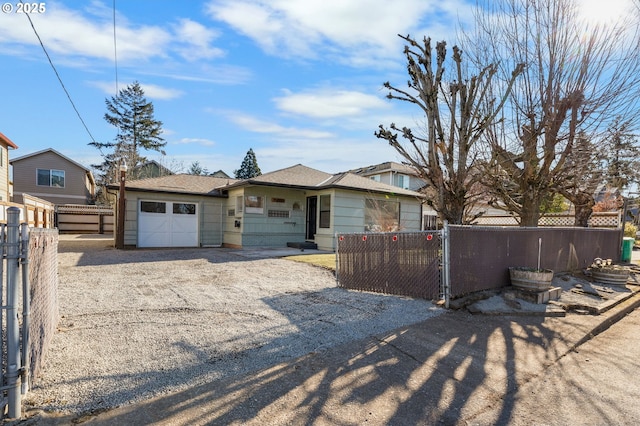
136, 324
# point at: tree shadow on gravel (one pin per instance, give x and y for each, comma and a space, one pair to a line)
448, 369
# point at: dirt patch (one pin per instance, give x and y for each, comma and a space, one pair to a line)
139, 323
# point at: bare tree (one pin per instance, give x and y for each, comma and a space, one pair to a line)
577, 78
458, 110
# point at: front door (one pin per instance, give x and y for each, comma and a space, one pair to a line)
312, 214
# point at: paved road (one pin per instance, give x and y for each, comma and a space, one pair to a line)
599, 384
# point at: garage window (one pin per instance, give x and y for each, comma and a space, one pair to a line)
153, 207
184, 208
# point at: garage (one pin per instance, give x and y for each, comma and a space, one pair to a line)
167, 224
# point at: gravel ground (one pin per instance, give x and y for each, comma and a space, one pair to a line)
137, 324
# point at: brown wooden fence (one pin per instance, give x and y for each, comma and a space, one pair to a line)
82, 219
480, 256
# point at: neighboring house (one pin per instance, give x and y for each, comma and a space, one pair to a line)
392, 173
220, 174
51, 176
149, 169
296, 205
402, 176
5, 184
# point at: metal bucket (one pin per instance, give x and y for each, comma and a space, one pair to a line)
531, 279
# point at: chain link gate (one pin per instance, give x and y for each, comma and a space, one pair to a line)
399, 263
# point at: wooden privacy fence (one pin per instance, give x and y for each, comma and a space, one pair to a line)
82, 219
481, 256
36, 212
402, 263
459, 260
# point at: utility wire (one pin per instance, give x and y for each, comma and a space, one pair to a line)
59, 79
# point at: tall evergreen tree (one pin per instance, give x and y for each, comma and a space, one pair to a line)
138, 130
249, 167
197, 169
621, 155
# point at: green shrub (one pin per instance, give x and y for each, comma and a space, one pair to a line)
630, 230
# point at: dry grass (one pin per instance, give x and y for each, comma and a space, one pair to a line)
327, 261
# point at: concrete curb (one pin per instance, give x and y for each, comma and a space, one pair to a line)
612, 315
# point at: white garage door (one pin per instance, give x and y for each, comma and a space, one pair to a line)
167, 224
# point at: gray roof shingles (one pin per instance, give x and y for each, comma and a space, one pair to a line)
297, 176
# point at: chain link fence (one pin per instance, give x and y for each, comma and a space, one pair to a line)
29, 284
43, 275
402, 263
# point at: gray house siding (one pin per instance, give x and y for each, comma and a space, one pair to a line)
348, 212
77, 189
280, 220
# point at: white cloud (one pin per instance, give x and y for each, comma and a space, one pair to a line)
255, 125
196, 40
328, 155
327, 103
360, 32
150, 90
194, 141
156, 92
68, 34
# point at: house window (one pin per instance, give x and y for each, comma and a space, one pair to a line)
279, 213
381, 216
231, 212
239, 204
325, 211
401, 181
46, 177
153, 207
375, 177
184, 208
254, 204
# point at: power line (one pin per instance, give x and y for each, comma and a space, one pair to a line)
58, 76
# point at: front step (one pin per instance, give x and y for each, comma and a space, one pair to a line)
303, 245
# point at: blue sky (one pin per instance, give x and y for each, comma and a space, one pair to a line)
299, 81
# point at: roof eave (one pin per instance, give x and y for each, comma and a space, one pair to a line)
218, 193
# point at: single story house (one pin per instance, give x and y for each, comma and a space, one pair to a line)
295, 205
